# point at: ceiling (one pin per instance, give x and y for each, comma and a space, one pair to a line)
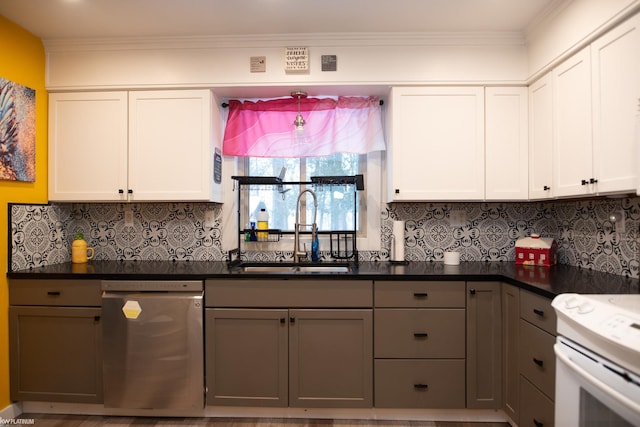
77, 19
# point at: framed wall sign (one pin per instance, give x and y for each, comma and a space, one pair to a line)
296, 59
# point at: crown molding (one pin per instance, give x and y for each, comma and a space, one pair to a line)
281, 40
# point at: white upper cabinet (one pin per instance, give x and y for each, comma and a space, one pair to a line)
541, 138
596, 98
136, 146
170, 149
506, 143
436, 150
573, 153
616, 96
87, 146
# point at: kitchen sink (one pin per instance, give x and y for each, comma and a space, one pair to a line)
296, 268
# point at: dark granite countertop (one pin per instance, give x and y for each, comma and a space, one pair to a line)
546, 281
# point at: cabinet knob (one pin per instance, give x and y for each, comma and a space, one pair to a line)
593, 181
96, 319
120, 191
584, 182
538, 362
546, 188
537, 423
292, 320
397, 191
130, 191
472, 291
282, 320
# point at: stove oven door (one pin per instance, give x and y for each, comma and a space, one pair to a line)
593, 391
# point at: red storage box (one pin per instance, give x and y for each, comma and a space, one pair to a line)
536, 250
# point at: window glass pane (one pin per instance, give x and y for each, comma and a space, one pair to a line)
336, 204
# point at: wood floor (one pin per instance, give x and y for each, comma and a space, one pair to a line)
45, 420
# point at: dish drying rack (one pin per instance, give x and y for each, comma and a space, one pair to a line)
342, 243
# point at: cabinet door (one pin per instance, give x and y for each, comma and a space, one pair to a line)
484, 346
170, 145
573, 169
506, 144
55, 354
437, 144
87, 146
331, 358
616, 94
541, 138
246, 357
510, 346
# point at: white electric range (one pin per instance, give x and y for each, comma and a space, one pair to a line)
598, 360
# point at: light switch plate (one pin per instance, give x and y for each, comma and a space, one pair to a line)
209, 219
457, 217
128, 217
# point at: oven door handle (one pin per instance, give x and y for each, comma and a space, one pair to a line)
602, 387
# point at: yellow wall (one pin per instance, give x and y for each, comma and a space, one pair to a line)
22, 60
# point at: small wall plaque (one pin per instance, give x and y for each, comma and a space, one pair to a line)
329, 62
258, 64
296, 59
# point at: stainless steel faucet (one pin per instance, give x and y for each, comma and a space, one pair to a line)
297, 253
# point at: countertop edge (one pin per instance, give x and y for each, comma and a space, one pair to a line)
545, 281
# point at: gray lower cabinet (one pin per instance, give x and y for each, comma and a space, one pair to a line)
419, 349
55, 336
484, 345
247, 357
318, 354
510, 351
536, 360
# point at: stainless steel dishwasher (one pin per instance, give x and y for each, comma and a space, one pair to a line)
153, 344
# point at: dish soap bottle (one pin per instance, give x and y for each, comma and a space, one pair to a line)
315, 249
263, 224
80, 253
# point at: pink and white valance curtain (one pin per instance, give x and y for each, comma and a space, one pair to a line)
265, 128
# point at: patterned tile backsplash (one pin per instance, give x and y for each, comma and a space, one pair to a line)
586, 236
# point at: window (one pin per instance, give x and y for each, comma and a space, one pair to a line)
338, 206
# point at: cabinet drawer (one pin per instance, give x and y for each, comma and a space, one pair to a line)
536, 408
419, 294
419, 384
537, 359
288, 293
81, 293
419, 333
537, 310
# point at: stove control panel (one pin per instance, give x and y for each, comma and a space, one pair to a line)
613, 317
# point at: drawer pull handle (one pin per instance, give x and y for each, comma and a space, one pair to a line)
538, 312
420, 335
420, 294
538, 423
538, 362
54, 293
421, 386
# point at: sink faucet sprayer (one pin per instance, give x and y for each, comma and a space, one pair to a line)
297, 253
